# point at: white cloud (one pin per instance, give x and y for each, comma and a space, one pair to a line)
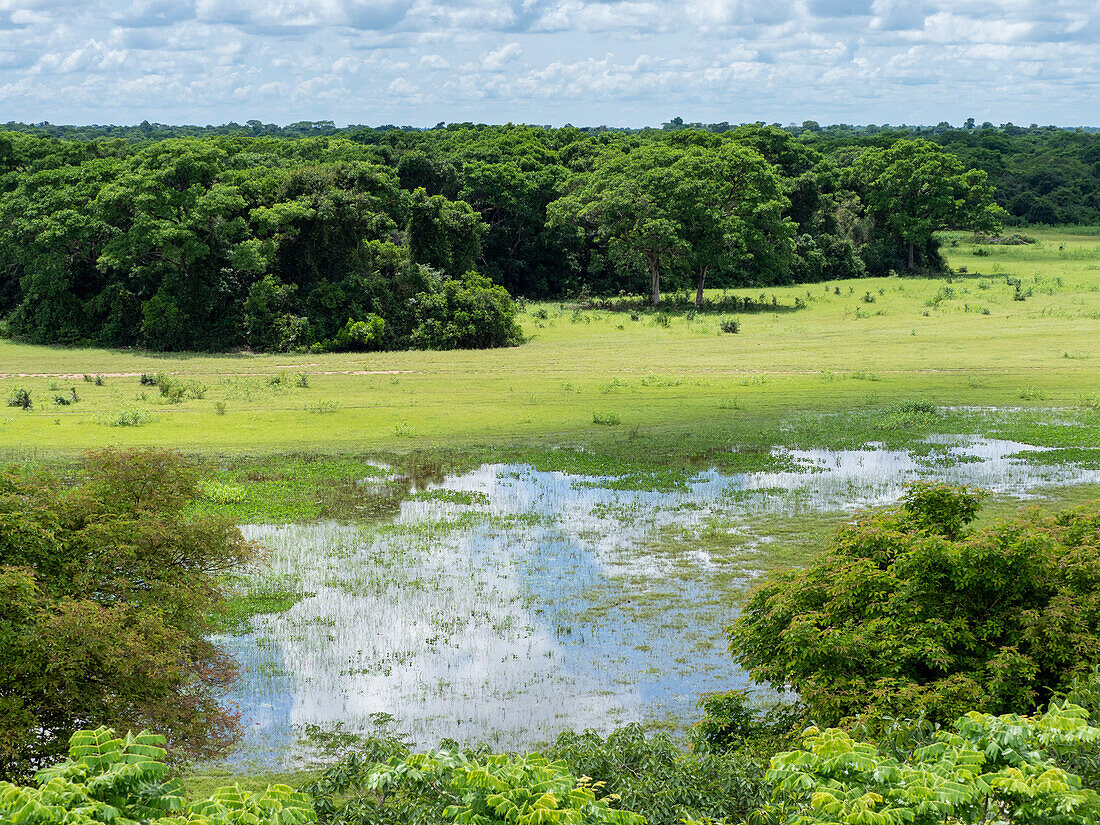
585, 61
498, 58
434, 61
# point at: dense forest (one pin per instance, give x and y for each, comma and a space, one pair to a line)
312, 238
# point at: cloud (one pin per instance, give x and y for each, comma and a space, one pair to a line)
498, 58
584, 61
434, 61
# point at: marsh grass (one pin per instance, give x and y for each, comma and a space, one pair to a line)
569, 592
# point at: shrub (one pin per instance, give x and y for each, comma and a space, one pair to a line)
20, 397
908, 613
358, 336
984, 769
471, 313
174, 390
606, 419
730, 325
129, 418
732, 722
458, 786
655, 777
108, 778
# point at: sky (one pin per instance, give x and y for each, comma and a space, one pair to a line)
585, 62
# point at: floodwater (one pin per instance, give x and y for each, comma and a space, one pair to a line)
507, 604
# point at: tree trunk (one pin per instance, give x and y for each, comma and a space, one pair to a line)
654, 262
910, 254
699, 290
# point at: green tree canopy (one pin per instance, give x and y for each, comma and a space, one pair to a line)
672, 207
916, 188
106, 589
908, 613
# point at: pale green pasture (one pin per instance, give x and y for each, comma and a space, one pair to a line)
960, 342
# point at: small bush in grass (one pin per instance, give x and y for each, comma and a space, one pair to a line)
1032, 394
147, 380
130, 418
731, 325
174, 390
20, 397
609, 419
1090, 400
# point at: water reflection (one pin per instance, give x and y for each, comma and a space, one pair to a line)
537, 603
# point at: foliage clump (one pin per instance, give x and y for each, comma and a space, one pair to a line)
107, 587
983, 769
656, 777
909, 612
124, 781
464, 787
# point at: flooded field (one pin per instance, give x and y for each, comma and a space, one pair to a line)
506, 604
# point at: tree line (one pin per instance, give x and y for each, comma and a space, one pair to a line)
392, 238
1043, 174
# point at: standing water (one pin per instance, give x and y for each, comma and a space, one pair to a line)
507, 604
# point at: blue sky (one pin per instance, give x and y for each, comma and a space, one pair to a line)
615, 62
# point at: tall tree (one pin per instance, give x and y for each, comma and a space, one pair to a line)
672, 207
916, 188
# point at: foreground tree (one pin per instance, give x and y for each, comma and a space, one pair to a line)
908, 613
106, 589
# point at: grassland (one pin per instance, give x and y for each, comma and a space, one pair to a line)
964, 341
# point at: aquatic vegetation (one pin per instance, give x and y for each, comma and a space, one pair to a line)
509, 602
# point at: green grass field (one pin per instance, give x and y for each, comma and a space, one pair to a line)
960, 341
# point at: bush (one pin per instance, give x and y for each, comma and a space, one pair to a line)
655, 777
20, 397
908, 613
359, 335
108, 778
458, 786
129, 418
730, 325
985, 769
606, 419
471, 313
732, 723
174, 390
